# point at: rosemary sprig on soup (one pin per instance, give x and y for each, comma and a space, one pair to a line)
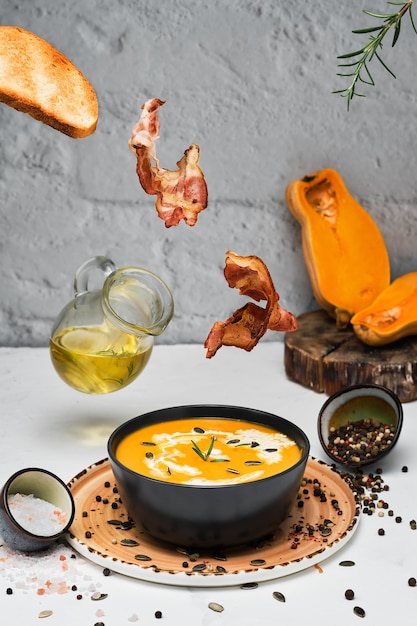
201, 451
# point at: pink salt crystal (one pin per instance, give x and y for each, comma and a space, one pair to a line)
99, 613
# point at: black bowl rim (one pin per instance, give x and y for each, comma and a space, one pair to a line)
28, 533
364, 386
205, 407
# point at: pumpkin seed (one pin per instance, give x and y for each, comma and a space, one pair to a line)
142, 557
253, 462
347, 563
148, 443
45, 613
219, 557
278, 596
258, 562
232, 471
249, 586
233, 441
359, 611
199, 567
271, 450
214, 606
129, 542
220, 569
199, 430
99, 596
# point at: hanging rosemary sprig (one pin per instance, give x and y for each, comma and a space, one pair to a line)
361, 58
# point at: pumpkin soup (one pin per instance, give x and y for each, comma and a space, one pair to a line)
208, 451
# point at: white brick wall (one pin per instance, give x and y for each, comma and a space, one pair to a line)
250, 81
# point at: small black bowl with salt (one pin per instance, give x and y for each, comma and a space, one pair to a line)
36, 509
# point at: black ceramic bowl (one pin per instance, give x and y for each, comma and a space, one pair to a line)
357, 405
208, 515
43, 486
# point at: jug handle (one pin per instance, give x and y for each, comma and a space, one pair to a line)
96, 263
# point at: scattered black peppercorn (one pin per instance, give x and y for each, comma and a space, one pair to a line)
412, 582
158, 614
349, 594
381, 531
106, 571
404, 469
9, 591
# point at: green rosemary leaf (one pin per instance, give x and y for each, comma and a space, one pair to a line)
382, 16
346, 75
197, 450
384, 65
347, 65
370, 29
371, 80
396, 32
412, 21
348, 55
210, 448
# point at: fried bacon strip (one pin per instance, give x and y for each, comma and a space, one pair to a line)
182, 193
248, 324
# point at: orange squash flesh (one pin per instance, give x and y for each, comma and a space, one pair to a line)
393, 314
345, 253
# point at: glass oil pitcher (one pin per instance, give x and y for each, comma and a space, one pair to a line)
103, 339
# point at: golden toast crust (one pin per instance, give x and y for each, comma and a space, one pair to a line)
37, 79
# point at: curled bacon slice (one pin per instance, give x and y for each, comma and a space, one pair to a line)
248, 324
182, 193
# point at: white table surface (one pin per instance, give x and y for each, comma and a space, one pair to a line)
44, 423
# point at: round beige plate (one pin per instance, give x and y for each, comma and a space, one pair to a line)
322, 520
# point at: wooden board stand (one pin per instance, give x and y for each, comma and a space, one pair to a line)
324, 358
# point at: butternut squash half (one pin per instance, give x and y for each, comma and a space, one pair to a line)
345, 253
392, 316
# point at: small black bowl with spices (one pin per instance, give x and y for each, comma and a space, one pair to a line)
360, 424
216, 445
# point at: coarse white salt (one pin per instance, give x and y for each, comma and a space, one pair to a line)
51, 571
36, 515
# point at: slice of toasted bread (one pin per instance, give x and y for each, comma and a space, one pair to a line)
37, 79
